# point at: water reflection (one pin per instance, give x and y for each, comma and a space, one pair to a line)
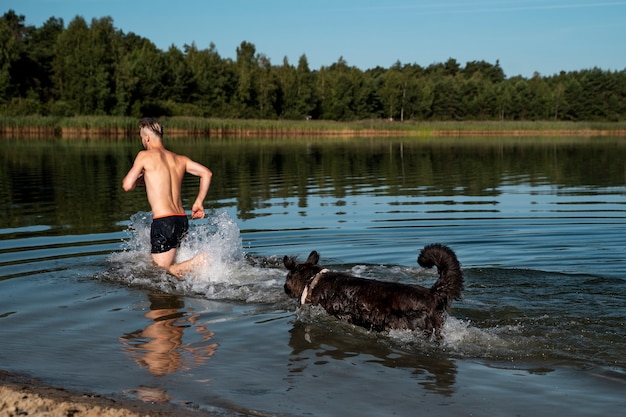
159, 347
435, 373
47, 182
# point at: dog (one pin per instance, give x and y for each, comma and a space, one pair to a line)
380, 305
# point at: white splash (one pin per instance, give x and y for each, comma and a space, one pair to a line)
464, 338
460, 334
228, 273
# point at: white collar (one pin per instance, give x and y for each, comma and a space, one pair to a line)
309, 288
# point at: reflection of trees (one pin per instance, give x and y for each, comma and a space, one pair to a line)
253, 172
82, 179
159, 346
435, 373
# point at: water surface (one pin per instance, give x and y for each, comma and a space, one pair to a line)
537, 224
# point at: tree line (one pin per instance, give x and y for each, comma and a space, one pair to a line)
96, 69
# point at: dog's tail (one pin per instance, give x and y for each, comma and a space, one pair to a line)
450, 283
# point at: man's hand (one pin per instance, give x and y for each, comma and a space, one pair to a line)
197, 211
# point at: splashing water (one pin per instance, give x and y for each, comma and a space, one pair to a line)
227, 274
230, 274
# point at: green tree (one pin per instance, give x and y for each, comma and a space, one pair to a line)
104, 39
267, 89
342, 91
539, 107
393, 92
306, 101
600, 94
247, 80
572, 105
132, 84
287, 94
556, 104
212, 78
12, 53
84, 66
40, 46
177, 78
297, 99
485, 70
421, 98
447, 99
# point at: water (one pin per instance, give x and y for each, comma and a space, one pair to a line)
537, 225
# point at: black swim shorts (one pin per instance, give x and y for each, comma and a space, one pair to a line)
167, 232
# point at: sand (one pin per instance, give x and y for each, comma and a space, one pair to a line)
24, 396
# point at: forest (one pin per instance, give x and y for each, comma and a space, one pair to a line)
94, 68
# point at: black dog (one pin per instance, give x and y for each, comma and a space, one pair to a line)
380, 305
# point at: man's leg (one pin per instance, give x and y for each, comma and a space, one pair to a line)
166, 260
179, 270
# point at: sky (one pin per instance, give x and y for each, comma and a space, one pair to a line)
524, 37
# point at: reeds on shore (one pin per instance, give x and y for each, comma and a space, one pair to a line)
127, 127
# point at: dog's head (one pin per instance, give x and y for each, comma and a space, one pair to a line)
300, 275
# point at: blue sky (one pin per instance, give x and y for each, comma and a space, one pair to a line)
545, 36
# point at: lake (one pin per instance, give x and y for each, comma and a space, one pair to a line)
537, 223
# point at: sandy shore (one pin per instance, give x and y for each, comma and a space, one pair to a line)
23, 396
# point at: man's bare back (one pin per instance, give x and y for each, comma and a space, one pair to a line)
162, 172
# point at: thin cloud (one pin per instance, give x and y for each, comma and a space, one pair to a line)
491, 7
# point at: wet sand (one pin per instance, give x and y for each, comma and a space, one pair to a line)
24, 396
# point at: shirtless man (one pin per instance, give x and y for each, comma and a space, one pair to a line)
162, 171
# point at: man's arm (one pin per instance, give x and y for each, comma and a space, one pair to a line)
205, 174
134, 175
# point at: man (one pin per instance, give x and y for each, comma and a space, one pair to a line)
162, 171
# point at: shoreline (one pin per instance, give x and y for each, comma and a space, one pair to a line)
119, 133
111, 127
26, 396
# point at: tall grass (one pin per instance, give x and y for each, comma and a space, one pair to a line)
98, 122
87, 126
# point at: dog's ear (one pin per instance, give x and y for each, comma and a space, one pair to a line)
313, 258
290, 262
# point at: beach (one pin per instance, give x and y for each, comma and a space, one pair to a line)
24, 396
